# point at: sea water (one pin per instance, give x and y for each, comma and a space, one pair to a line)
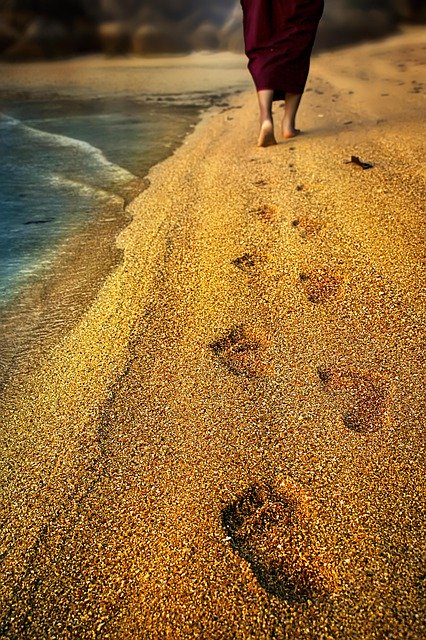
61, 160
67, 168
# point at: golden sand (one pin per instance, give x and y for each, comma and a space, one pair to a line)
205, 454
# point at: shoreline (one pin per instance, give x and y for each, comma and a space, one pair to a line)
55, 299
126, 449
48, 304
86, 75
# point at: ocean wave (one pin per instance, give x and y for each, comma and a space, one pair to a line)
8, 121
59, 180
98, 161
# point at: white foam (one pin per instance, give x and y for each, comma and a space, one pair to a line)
114, 171
59, 180
8, 121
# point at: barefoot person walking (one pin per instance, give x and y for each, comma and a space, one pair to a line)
279, 36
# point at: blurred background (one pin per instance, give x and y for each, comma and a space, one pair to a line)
39, 29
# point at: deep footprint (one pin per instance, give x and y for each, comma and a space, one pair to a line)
363, 396
308, 227
320, 285
244, 352
266, 212
275, 530
249, 262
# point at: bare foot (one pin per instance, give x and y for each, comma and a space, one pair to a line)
266, 136
290, 132
288, 123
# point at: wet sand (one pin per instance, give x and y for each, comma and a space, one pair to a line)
229, 443
96, 75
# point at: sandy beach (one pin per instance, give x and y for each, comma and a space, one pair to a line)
230, 442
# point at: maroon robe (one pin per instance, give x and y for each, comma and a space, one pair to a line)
279, 36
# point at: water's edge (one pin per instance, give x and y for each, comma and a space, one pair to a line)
50, 304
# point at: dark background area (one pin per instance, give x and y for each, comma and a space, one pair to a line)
38, 29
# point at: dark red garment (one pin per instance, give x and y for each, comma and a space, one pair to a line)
279, 36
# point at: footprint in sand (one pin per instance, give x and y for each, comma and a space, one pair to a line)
363, 397
277, 530
319, 285
308, 227
244, 351
266, 212
249, 262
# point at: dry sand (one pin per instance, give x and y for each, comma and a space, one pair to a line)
229, 444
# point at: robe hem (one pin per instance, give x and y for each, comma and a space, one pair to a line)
279, 94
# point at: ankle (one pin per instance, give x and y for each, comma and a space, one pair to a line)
289, 125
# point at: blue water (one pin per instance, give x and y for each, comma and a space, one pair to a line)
64, 160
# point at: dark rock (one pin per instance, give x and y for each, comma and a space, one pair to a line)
204, 37
342, 24
8, 36
49, 28
44, 38
84, 37
114, 38
165, 38
411, 10
114, 10
231, 34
